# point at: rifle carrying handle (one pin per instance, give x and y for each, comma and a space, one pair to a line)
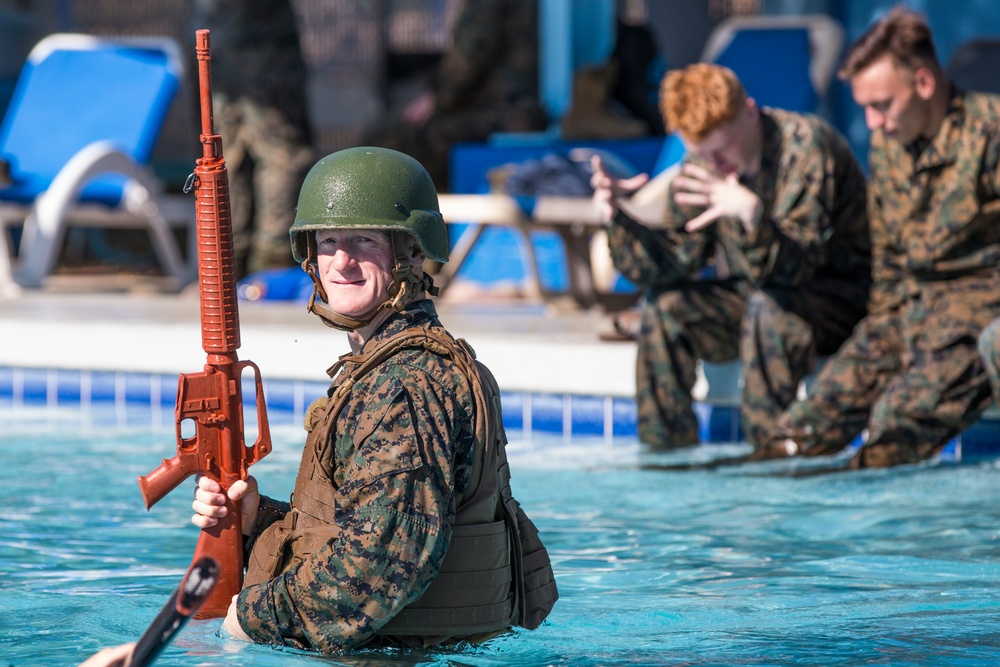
262, 445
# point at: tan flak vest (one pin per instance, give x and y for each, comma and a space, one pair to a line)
496, 572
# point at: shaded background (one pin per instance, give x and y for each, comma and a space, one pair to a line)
363, 55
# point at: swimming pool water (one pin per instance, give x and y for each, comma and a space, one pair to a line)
734, 567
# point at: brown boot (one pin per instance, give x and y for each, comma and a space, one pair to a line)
590, 115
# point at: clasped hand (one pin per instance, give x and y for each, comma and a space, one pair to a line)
210, 502
721, 197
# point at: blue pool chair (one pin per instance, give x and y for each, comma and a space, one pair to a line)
783, 61
77, 138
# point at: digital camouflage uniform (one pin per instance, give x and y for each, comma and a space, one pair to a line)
486, 82
397, 491
911, 373
400, 455
402, 527
261, 113
775, 303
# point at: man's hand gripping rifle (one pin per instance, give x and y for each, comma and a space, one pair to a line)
213, 399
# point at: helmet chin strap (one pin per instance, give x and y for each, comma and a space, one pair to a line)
400, 292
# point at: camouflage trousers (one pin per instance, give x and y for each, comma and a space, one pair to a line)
267, 156
911, 376
776, 334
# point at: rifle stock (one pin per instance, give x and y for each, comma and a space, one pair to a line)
213, 399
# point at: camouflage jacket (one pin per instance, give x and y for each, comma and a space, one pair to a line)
935, 205
493, 60
399, 456
814, 223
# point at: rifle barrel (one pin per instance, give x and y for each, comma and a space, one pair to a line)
220, 320
203, 53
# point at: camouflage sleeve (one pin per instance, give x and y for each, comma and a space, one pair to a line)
887, 258
395, 516
657, 257
791, 241
476, 39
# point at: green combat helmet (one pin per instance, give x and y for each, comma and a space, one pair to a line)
370, 188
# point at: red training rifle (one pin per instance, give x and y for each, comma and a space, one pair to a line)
213, 399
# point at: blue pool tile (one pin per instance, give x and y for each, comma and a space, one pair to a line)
723, 424
168, 390
513, 410
137, 387
280, 395
587, 415
625, 420
139, 399
703, 411
35, 386
981, 440
69, 387
7, 383
103, 386
952, 452
547, 413
314, 390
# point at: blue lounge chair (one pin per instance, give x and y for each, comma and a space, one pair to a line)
78, 136
783, 61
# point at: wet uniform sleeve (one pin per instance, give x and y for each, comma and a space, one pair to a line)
396, 509
791, 239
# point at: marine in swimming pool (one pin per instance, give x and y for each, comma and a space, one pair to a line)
401, 529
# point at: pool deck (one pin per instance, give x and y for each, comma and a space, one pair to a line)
529, 347
556, 373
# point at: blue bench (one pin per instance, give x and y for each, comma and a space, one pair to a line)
545, 240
